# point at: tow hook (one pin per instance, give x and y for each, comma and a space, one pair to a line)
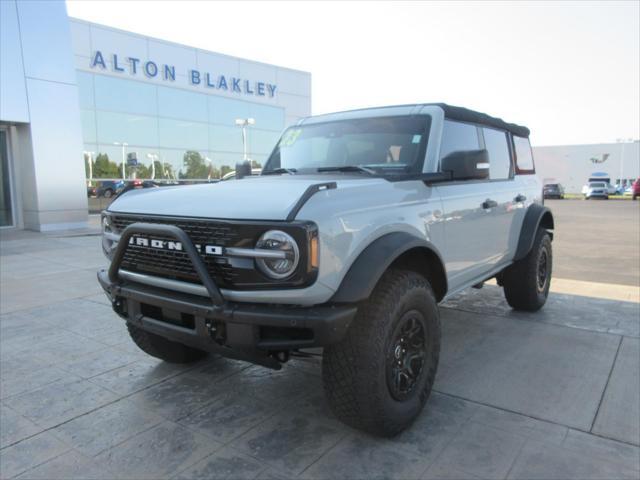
282, 356
119, 305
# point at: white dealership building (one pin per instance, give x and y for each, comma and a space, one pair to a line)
572, 165
72, 92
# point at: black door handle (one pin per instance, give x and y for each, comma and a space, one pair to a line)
488, 203
519, 198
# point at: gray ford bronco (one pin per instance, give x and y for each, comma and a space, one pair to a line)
358, 226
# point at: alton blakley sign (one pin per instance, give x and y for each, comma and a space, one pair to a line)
134, 66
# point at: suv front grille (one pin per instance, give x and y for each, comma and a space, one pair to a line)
226, 272
200, 231
174, 264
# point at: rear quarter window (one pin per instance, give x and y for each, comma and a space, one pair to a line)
524, 156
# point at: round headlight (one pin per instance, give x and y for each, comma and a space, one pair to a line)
281, 265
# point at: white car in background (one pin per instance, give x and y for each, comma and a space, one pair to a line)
595, 190
611, 189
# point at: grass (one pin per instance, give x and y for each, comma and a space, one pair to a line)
579, 196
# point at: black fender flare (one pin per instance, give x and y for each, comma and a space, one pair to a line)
365, 272
536, 216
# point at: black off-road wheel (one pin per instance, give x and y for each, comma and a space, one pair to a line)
379, 377
526, 283
164, 349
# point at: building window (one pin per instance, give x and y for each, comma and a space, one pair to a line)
6, 207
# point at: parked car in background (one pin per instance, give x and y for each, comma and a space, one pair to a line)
611, 189
137, 183
91, 191
109, 188
596, 190
635, 189
553, 190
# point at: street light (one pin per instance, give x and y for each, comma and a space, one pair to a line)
244, 123
124, 145
208, 161
89, 156
153, 157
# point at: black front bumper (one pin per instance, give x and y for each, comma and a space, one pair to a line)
244, 331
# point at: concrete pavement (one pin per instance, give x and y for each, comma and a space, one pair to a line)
547, 395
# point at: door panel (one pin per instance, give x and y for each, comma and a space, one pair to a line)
470, 230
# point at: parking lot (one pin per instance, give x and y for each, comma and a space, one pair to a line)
597, 240
550, 395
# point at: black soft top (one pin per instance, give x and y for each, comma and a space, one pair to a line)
453, 113
465, 115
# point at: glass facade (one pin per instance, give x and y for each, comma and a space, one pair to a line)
6, 210
188, 135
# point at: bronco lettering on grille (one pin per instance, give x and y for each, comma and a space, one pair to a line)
172, 245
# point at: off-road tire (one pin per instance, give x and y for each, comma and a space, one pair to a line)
108, 193
162, 348
521, 281
355, 371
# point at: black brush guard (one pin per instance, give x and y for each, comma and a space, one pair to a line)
244, 331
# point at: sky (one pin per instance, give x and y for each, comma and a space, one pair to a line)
569, 71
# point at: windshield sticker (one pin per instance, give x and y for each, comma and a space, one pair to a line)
290, 137
416, 139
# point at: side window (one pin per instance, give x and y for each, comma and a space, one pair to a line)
495, 142
458, 137
524, 157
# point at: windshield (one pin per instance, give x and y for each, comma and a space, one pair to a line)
384, 145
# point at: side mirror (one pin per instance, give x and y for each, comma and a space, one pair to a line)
243, 169
467, 165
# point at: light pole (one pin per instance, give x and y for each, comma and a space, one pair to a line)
207, 160
244, 123
124, 145
89, 156
153, 157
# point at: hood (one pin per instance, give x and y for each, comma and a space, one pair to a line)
269, 197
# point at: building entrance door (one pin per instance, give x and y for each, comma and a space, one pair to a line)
6, 205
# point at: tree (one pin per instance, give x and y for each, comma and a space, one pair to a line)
195, 165
105, 168
143, 171
163, 170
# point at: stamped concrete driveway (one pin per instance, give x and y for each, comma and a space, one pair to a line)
548, 395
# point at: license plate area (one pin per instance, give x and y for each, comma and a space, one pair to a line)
179, 319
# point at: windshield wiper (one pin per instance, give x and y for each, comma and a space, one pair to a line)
348, 168
279, 171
